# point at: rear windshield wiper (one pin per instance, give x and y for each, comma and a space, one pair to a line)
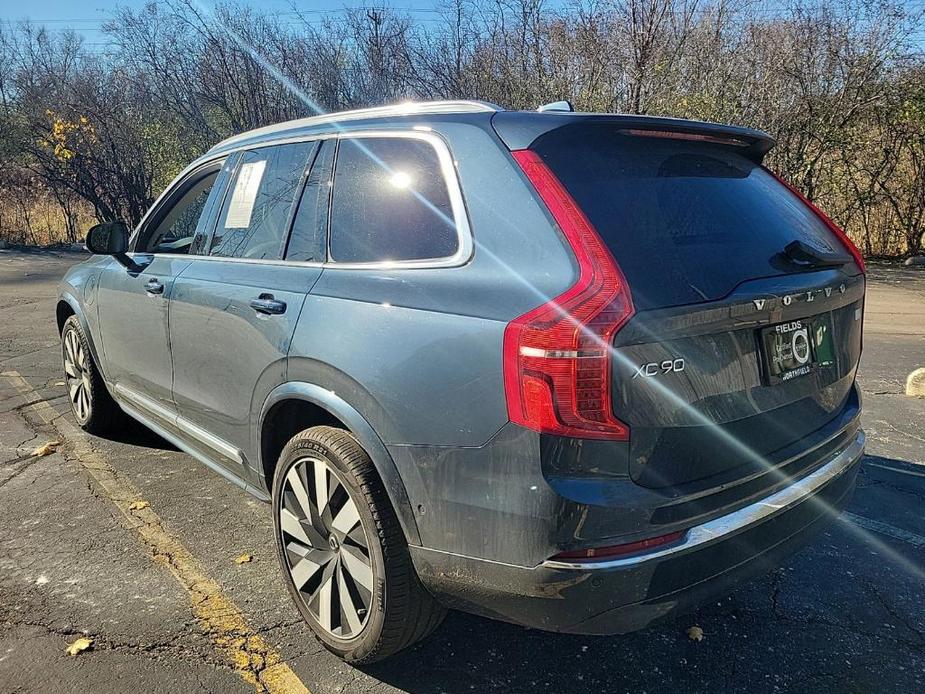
803, 254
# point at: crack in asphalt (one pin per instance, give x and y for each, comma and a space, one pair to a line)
777, 612
33, 402
29, 462
872, 482
902, 431
893, 612
27, 458
101, 642
26, 354
250, 656
244, 649
852, 628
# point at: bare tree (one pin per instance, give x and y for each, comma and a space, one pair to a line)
839, 84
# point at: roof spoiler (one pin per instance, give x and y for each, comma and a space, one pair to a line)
519, 129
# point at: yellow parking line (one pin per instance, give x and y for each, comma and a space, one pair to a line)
252, 658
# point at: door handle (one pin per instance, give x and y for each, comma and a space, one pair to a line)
267, 304
154, 287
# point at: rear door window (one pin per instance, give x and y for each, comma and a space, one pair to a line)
686, 221
390, 202
259, 202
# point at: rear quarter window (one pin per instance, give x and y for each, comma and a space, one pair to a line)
390, 202
686, 221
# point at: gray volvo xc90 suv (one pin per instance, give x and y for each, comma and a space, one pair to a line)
567, 370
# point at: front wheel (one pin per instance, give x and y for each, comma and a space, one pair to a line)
342, 551
92, 405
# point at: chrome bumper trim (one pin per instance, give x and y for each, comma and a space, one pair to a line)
737, 521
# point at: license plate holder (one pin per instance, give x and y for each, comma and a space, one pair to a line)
797, 348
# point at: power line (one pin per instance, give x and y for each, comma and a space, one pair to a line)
297, 16
776, 11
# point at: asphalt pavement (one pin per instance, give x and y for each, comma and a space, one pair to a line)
135, 545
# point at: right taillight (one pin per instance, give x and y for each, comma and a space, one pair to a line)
557, 357
833, 227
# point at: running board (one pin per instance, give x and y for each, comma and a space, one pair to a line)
195, 431
180, 443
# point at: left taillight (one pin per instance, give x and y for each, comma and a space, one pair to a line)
557, 357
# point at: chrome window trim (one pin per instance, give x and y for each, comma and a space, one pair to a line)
465, 246
222, 259
733, 523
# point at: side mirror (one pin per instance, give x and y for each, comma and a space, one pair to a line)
111, 238
108, 238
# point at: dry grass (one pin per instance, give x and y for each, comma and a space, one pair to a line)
42, 222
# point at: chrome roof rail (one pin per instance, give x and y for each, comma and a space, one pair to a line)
408, 108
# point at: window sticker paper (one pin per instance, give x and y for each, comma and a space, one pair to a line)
245, 193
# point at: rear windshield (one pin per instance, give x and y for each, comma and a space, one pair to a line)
686, 221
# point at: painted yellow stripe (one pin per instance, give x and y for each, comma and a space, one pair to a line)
252, 658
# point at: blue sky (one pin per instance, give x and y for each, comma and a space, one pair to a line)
87, 17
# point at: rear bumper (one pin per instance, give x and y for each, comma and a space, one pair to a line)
626, 594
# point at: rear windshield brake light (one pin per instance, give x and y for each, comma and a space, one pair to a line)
675, 135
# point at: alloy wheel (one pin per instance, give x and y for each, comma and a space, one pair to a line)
77, 375
326, 547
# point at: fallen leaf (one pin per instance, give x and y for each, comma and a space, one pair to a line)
244, 559
138, 505
46, 449
695, 633
79, 646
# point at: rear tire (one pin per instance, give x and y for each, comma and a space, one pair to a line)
376, 606
93, 407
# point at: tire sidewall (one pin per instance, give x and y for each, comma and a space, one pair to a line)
349, 649
71, 325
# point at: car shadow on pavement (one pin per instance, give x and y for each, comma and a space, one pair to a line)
137, 434
469, 653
